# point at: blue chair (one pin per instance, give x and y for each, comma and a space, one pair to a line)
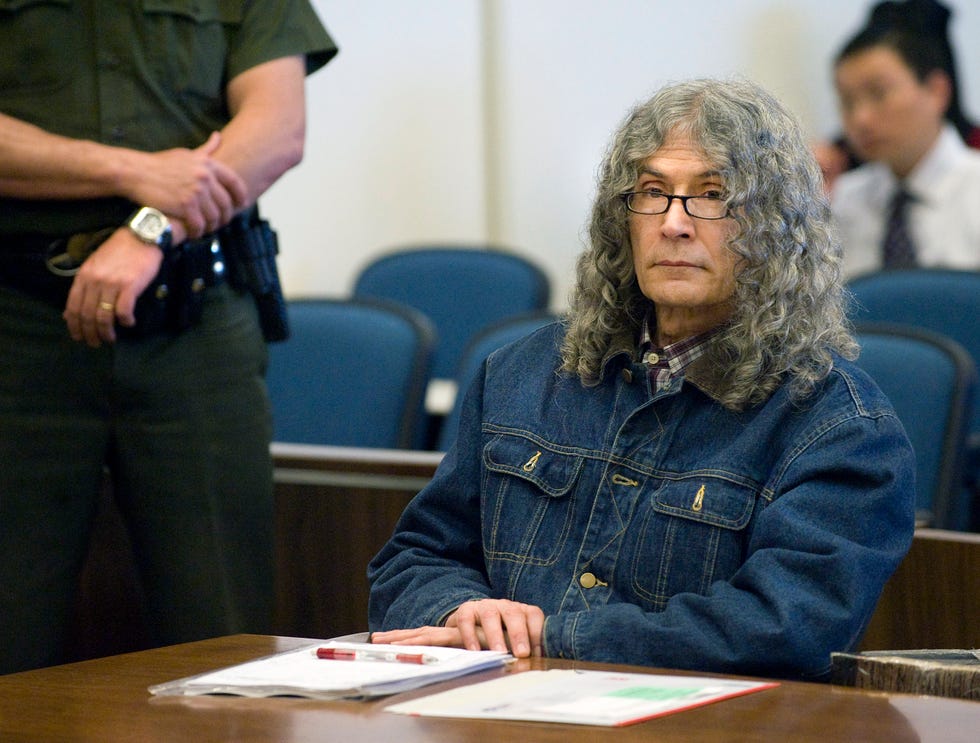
352, 373
930, 380
461, 290
945, 301
486, 342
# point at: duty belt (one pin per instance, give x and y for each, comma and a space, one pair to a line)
43, 265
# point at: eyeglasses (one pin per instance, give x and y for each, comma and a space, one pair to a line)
655, 202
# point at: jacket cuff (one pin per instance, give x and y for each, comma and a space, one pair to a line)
554, 643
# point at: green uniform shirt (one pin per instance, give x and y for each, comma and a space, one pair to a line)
144, 74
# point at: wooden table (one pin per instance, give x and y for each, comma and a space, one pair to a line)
106, 700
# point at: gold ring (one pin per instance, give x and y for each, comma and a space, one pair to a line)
107, 306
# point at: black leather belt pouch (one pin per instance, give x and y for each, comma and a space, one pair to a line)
174, 300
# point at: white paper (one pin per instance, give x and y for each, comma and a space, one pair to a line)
301, 673
579, 697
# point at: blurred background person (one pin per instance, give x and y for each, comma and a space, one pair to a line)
925, 18
913, 200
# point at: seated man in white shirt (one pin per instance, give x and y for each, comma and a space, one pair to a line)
894, 94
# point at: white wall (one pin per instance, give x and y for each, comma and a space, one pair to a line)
484, 120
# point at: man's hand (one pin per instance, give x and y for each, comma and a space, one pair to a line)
107, 285
501, 620
192, 186
494, 624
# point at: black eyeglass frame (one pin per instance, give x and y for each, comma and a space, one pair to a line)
627, 197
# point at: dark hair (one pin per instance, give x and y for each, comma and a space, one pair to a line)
925, 16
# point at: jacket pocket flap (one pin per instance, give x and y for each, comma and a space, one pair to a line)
18, 4
201, 11
551, 471
710, 500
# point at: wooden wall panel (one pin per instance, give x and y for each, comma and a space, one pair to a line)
933, 599
335, 507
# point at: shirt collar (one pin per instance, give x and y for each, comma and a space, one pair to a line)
677, 355
927, 176
666, 364
700, 369
936, 163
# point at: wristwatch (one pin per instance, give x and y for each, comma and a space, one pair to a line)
151, 226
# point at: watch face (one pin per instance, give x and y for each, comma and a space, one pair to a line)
150, 225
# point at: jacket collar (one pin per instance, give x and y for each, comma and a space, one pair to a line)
705, 372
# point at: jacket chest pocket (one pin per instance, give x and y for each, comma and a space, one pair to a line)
690, 533
188, 43
38, 45
528, 505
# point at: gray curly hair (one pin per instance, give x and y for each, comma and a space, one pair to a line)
789, 303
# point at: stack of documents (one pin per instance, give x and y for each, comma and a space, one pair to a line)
335, 670
579, 697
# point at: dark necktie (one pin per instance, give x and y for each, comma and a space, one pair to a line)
898, 250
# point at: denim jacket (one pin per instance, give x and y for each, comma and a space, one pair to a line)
659, 529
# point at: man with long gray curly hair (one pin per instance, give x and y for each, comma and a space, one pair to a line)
688, 472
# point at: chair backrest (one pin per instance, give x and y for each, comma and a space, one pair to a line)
461, 290
353, 373
942, 300
482, 345
930, 380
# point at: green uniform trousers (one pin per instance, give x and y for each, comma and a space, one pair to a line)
183, 425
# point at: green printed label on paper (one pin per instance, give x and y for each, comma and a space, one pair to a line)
652, 693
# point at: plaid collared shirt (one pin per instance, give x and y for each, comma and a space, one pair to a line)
667, 364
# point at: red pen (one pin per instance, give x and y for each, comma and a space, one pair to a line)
385, 656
